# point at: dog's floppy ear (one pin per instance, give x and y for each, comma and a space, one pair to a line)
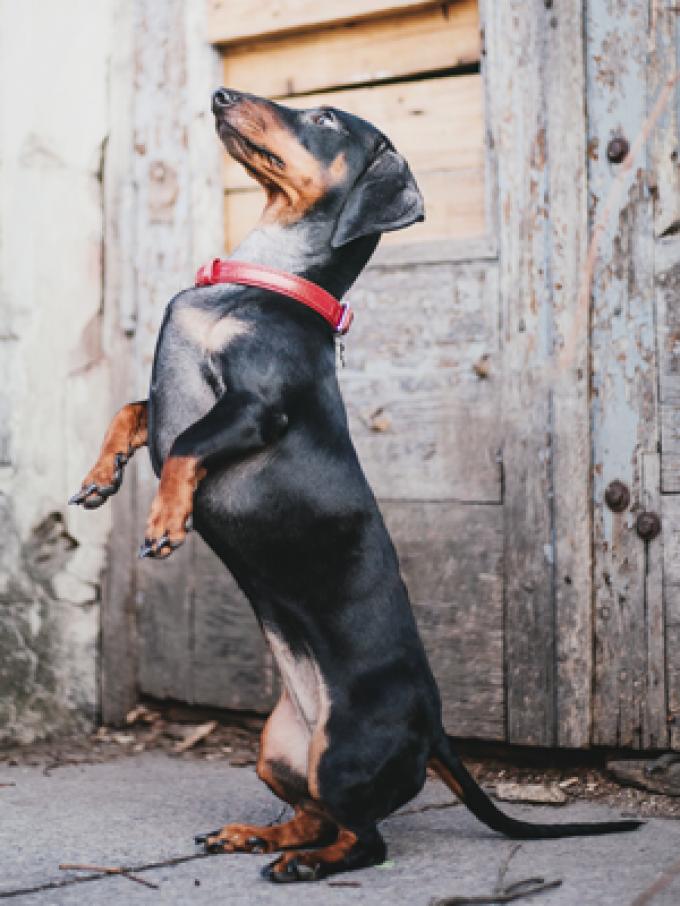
384, 198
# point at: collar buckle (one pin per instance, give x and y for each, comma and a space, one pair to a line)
345, 321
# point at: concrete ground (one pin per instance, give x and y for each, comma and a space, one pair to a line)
147, 808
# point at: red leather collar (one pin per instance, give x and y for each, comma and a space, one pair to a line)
338, 314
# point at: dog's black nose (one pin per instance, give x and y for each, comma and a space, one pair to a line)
222, 99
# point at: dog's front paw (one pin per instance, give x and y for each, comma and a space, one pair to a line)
166, 530
101, 482
170, 518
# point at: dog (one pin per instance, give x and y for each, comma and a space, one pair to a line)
247, 431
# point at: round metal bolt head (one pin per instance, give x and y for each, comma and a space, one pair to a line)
617, 496
648, 526
617, 149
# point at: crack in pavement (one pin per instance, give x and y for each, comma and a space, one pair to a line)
98, 876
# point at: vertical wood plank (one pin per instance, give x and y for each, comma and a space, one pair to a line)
654, 716
231, 664
567, 244
163, 267
118, 620
671, 522
624, 375
514, 33
534, 60
665, 57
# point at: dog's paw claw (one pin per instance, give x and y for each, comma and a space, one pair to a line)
257, 845
145, 549
199, 839
95, 493
293, 870
81, 495
158, 548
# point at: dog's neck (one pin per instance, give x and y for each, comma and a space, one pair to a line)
305, 249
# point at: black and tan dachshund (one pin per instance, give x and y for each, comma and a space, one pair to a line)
247, 430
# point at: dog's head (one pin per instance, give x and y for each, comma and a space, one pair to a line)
321, 162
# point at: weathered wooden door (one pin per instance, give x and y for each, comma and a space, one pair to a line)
494, 391
422, 377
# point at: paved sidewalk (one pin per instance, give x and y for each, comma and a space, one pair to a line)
147, 808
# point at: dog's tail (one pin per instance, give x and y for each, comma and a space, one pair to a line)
452, 771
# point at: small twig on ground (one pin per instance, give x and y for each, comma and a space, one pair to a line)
195, 736
108, 870
503, 868
344, 884
97, 876
5, 785
528, 887
662, 883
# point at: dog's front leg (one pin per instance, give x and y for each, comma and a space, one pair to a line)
127, 433
240, 423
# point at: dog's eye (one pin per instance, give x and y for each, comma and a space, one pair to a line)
323, 118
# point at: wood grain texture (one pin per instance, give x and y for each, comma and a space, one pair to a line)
565, 125
534, 71
425, 423
625, 405
670, 515
666, 201
230, 21
667, 282
358, 52
231, 663
451, 559
171, 119
118, 689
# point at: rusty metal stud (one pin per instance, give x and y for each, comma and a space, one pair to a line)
648, 525
617, 496
617, 149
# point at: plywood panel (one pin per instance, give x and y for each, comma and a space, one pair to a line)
236, 20
424, 422
369, 51
437, 124
451, 559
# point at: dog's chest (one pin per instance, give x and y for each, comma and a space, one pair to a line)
187, 380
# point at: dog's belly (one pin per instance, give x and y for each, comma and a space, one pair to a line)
302, 680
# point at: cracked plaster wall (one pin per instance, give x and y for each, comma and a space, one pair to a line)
54, 373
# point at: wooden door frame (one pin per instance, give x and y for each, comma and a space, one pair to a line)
533, 76
131, 212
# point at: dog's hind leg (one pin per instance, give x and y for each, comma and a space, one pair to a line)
282, 765
127, 433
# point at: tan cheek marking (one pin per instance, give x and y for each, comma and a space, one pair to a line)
338, 169
203, 330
